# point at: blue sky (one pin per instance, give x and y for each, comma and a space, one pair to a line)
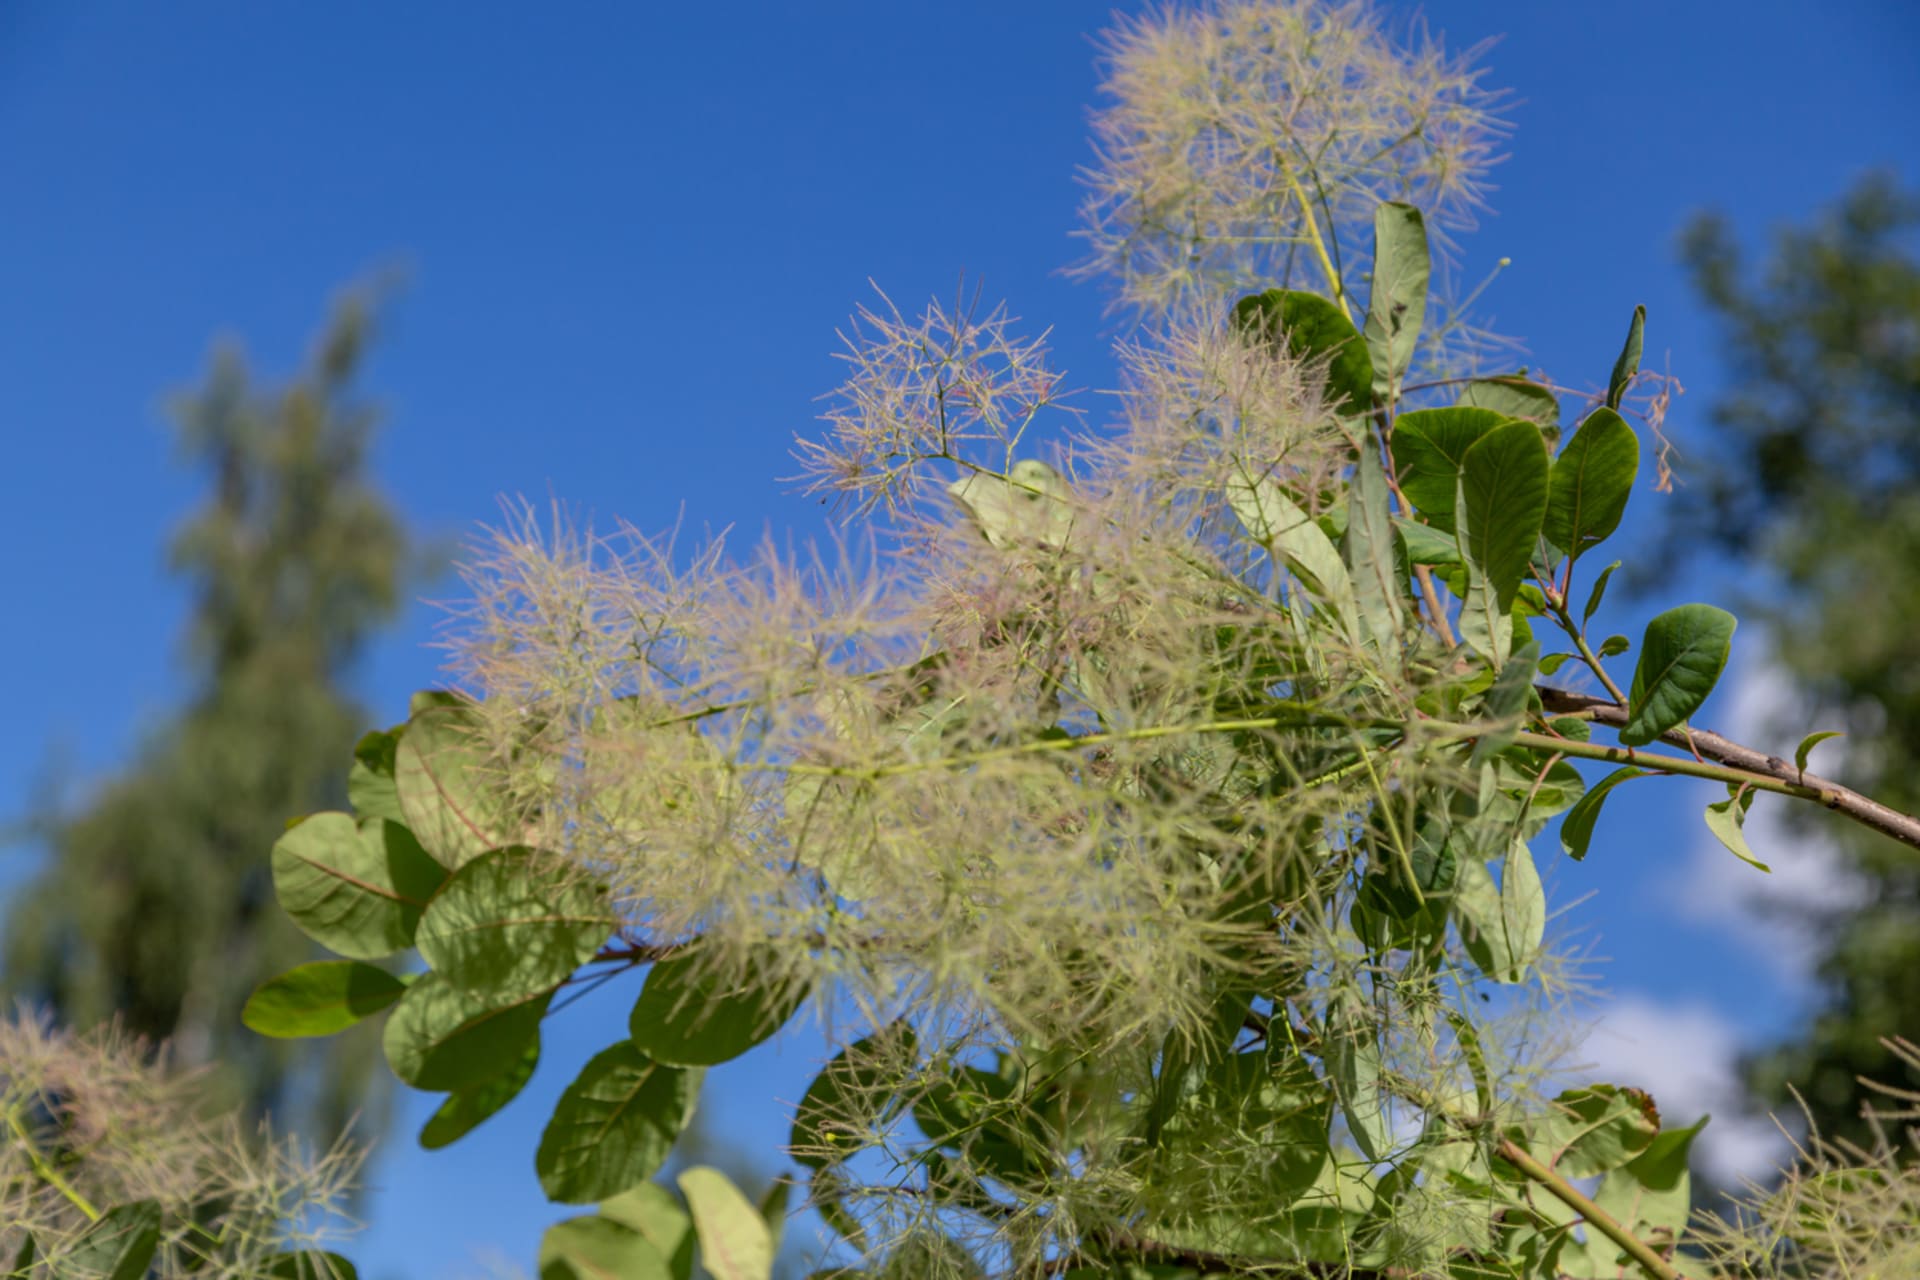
630, 233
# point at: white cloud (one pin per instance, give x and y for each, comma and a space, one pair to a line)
1684, 1055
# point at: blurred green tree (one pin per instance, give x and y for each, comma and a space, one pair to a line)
1814, 471
155, 903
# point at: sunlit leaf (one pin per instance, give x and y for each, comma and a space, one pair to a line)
734, 1241
1595, 1128
1726, 820
450, 797
1397, 305
514, 921
1629, 362
370, 782
442, 1038
1315, 330
599, 1248
1591, 482
320, 999
355, 888
693, 1013
1808, 743
1429, 446
1576, 829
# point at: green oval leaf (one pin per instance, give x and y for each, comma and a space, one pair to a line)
1652, 1192
442, 1038
598, 1248
1502, 926
656, 1214
734, 1241
1592, 479
465, 1109
450, 802
357, 889
691, 1013
1397, 305
1429, 446
1682, 655
320, 999
614, 1125
1314, 329
1501, 504
117, 1246
837, 1113
1614, 646
514, 921
1598, 593
1576, 830
1808, 743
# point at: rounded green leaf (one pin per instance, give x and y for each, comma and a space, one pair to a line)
465, 1109
320, 999
450, 801
1429, 446
1502, 502
614, 1125
734, 1241
442, 1038
514, 921
357, 889
1314, 329
657, 1214
1502, 927
1681, 658
1592, 479
117, 1246
598, 1248
693, 1013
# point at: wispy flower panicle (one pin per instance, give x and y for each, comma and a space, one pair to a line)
926, 388
1246, 144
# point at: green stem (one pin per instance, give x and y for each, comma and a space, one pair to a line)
45, 1171
1664, 763
1587, 655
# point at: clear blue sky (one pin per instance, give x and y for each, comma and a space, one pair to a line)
631, 232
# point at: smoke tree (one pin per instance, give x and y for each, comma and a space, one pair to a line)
1146, 804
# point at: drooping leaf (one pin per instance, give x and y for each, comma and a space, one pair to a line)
1379, 583
452, 803
320, 999
734, 1241
1597, 594
514, 921
1505, 703
832, 1119
442, 1038
1515, 397
1294, 539
1354, 1060
1596, 1128
370, 785
118, 1245
614, 1125
1591, 481
1576, 829
1314, 329
1031, 505
465, 1109
1808, 743
1651, 1195
1629, 362
1397, 305
1425, 544
1682, 655
1614, 646
357, 889
693, 1013
1429, 446
1726, 820
599, 1248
